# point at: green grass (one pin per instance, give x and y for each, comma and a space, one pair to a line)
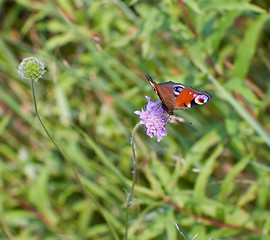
97, 53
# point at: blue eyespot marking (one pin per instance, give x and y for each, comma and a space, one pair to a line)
177, 90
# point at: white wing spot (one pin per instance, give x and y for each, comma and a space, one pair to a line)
201, 99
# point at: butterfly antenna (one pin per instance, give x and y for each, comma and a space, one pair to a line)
180, 119
189, 122
148, 77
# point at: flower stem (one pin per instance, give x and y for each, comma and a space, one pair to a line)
134, 172
49, 135
69, 162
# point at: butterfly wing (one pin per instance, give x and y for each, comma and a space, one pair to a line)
178, 96
165, 91
190, 97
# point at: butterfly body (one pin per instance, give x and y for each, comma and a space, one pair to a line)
178, 96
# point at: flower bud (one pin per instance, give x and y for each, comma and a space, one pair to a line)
31, 68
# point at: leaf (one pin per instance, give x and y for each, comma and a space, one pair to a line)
228, 184
248, 196
194, 6
202, 179
247, 48
199, 149
38, 194
59, 41
63, 106
223, 25
229, 5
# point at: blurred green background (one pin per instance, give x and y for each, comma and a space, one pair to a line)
211, 177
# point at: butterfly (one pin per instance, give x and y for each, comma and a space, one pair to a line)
178, 96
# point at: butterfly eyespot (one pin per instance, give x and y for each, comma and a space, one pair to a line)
177, 90
201, 99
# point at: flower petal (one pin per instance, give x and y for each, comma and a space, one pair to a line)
155, 118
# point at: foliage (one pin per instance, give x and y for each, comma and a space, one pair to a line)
210, 178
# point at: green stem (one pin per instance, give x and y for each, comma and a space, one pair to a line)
134, 172
69, 162
49, 135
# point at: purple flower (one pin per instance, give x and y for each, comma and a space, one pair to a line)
155, 118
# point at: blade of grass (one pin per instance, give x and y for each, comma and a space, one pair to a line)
247, 48
237, 106
206, 171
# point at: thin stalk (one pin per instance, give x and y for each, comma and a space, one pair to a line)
134, 172
51, 138
69, 162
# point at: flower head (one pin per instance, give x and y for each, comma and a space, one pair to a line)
155, 118
31, 68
